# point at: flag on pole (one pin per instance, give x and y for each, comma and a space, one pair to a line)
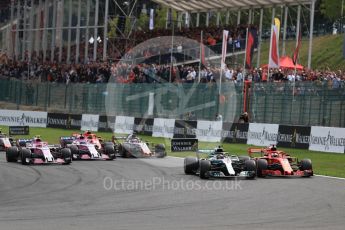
274, 51
298, 45
203, 59
224, 48
251, 39
151, 19
277, 24
186, 22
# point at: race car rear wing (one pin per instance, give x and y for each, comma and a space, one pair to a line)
252, 151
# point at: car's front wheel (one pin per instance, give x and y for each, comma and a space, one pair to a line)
205, 166
191, 165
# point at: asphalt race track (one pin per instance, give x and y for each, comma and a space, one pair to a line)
155, 194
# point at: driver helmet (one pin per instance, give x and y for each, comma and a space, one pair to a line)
220, 156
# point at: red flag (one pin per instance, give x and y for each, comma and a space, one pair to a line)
296, 53
274, 51
203, 60
252, 37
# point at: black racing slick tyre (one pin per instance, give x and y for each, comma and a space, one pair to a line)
306, 164
250, 166
67, 155
24, 155
191, 165
205, 166
110, 151
160, 151
12, 154
244, 158
74, 152
261, 165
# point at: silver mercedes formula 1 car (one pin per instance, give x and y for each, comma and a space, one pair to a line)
220, 164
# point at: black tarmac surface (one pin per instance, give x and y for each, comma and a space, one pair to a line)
155, 194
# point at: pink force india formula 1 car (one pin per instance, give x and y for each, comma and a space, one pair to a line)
36, 151
88, 146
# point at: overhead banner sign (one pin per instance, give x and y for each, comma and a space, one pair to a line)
163, 127
89, 122
235, 132
260, 134
293, 136
210, 131
23, 118
184, 144
327, 139
124, 125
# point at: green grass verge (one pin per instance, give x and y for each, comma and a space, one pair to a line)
326, 53
330, 164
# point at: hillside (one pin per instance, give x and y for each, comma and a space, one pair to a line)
327, 52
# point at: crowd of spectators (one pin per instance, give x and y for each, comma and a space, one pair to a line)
122, 72
103, 72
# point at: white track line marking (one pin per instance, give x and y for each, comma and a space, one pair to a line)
330, 177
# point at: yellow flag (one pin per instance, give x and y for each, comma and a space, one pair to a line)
277, 24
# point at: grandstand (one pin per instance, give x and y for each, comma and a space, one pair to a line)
31, 33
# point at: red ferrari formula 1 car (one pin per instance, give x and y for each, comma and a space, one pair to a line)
273, 162
36, 151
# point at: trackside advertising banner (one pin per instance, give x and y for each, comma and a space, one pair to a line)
209, 131
235, 132
23, 118
163, 127
124, 125
262, 134
185, 129
106, 123
89, 122
143, 126
64, 121
293, 136
327, 139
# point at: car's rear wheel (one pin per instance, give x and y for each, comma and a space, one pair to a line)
250, 166
110, 151
25, 154
191, 165
205, 166
244, 158
261, 165
12, 154
160, 151
67, 155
